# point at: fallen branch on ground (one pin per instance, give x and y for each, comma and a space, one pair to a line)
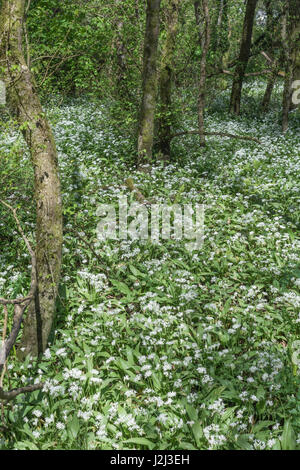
218, 134
250, 74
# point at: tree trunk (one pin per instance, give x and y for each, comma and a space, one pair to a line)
270, 46
205, 42
295, 44
218, 25
198, 18
269, 88
287, 91
24, 103
296, 77
235, 101
120, 49
149, 88
166, 79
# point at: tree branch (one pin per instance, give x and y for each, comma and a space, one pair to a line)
20, 305
7, 396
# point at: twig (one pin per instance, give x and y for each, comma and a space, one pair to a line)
19, 226
20, 305
28, 298
268, 58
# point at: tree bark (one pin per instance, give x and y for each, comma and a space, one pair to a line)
219, 43
295, 45
235, 101
149, 88
275, 67
205, 42
166, 79
287, 32
198, 18
296, 77
120, 48
269, 88
23, 102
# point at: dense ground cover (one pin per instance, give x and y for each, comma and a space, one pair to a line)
156, 347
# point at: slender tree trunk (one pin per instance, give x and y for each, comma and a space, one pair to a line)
287, 91
24, 103
198, 18
296, 78
235, 101
120, 49
269, 88
166, 79
220, 36
270, 45
219, 21
137, 10
295, 44
205, 42
149, 90
217, 24
228, 27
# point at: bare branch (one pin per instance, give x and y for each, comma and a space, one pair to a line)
7, 396
22, 300
20, 304
14, 212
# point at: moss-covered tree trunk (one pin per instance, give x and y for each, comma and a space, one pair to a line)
235, 100
149, 87
166, 79
23, 102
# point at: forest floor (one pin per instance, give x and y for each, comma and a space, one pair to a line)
157, 347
